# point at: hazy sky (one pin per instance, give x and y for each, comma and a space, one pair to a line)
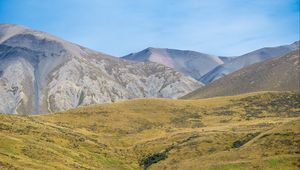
119, 27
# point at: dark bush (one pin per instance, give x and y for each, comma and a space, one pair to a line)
154, 158
237, 144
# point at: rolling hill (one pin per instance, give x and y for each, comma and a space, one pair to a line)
277, 74
249, 131
41, 73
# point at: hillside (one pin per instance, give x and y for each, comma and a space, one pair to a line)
191, 63
250, 131
41, 73
248, 59
278, 74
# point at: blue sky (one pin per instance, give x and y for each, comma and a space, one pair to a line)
119, 27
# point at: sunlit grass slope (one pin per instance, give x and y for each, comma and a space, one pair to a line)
250, 131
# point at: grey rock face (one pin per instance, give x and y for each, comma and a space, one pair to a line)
40, 73
191, 63
246, 60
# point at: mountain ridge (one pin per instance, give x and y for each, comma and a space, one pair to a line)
275, 74
247, 59
189, 62
55, 75
207, 68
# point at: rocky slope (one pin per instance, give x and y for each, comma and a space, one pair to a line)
246, 60
40, 73
277, 74
190, 63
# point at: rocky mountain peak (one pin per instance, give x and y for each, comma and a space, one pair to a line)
41, 73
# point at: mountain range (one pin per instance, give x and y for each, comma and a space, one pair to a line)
276, 74
248, 59
245, 116
40, 73
207, 68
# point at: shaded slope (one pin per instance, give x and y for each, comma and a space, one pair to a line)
278, 74
248, 59
246, 131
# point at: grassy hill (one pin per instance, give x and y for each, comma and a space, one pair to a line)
249, 131
278, 74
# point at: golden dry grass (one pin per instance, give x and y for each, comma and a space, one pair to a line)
250, 131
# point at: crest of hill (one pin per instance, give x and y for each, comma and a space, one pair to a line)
215, 133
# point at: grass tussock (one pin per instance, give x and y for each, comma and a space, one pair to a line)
250, 131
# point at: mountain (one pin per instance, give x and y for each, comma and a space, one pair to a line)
277, 74
204, 67
40, 73
249, 131
246, 60
190, 63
